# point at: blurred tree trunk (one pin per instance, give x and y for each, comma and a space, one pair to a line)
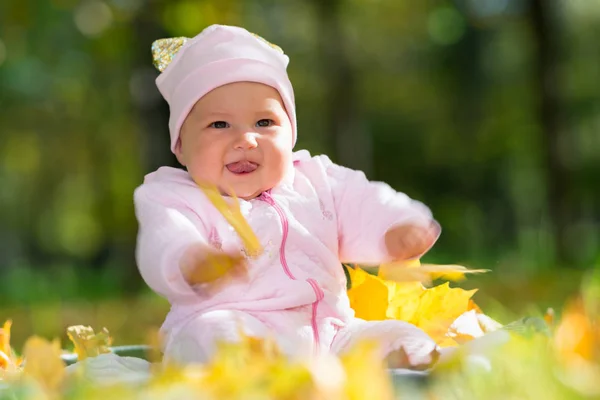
154, 114
551, 120
151, 111
348, 137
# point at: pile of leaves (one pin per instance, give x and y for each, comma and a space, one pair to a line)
536, 358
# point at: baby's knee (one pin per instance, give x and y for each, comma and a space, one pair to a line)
198, 340
406, 346
227, 324
394, 338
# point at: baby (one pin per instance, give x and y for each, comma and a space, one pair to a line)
233, 125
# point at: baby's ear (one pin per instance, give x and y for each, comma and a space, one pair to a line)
179, 153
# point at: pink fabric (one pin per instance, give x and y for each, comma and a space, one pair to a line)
333, 214
197, 341
215, 57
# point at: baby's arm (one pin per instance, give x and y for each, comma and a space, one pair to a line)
376, 224
167, 230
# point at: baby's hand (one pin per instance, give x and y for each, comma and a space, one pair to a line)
203, 264
405, 242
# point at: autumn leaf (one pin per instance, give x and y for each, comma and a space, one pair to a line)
215, 266
577, 335
5, 349
255, 368
576, 344
171, 381
431, 309
87, 343
233, 215
405, 301
385, 268
8, 359
404, 297
454, 273
427, 273
443, 303
366, 374
369, 295
44, 364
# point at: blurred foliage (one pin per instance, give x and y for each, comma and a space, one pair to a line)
444, 100
547, 357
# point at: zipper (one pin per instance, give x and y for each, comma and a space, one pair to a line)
267, 197
313, 283
315, 306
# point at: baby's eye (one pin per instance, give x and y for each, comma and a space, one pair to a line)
263, 123
219, 125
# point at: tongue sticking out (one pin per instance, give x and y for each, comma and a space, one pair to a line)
242, 167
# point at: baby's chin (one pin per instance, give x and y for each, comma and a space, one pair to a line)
246, 192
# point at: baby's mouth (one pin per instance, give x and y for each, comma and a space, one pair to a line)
242, 167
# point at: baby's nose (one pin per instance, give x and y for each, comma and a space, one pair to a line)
246, 140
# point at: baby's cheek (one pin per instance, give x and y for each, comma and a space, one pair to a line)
280, 160
205, 170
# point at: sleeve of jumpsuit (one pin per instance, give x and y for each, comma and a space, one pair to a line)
166, 229
365, 211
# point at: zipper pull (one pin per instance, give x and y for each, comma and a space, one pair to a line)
266, 196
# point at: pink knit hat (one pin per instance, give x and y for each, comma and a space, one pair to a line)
217, 56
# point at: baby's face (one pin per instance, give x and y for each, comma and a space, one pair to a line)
238, 137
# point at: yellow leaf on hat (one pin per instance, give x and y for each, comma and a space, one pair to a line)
164, 51
262, 39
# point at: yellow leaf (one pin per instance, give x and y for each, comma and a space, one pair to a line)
447, 342
404, 297
577, 335
453, 273
87, 343
368, 295
43, 363
357, 275
386, 269
216, 266
426, 273
172, 381
8, 358
440, 306
549, 317
5, 336
366, 375
474, 306
431, 309
404, 271
4, 360
405, 302
255, 368
233, 215
5, 349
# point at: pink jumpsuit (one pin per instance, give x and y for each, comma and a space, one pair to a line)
321, 215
